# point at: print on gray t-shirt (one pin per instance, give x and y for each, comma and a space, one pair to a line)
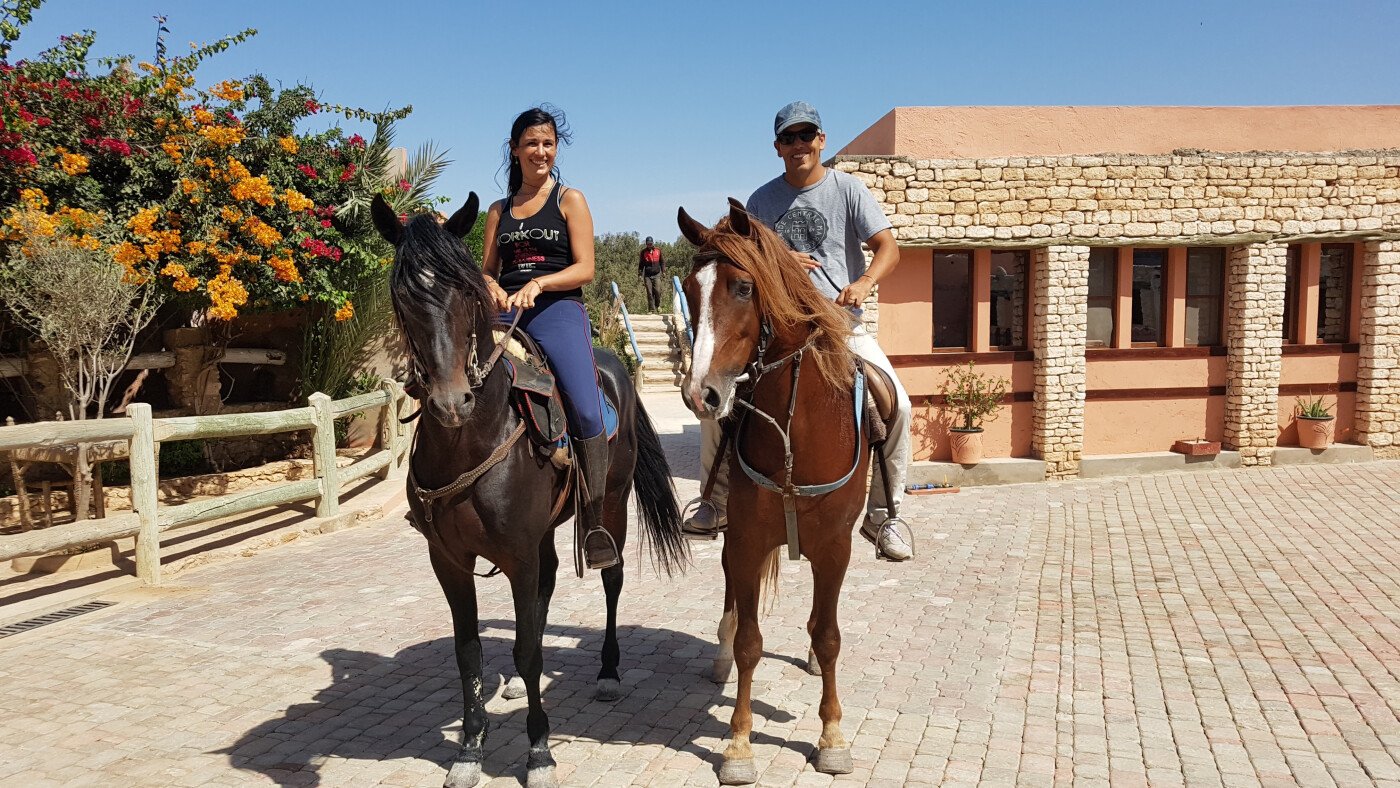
828, 220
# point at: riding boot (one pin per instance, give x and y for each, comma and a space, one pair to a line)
599, 549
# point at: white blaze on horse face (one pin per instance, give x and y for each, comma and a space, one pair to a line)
703, 354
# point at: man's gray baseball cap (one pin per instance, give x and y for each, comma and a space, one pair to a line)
796, 113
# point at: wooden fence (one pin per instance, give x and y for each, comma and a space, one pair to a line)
148, 520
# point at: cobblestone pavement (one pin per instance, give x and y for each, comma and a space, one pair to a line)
1224, 628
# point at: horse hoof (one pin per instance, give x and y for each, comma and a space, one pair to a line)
608, 690
835, 760
515, 688
738, 772
543, 777
722, 672
813, 666
463, 775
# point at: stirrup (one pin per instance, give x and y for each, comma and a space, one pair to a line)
615, 558
708, 534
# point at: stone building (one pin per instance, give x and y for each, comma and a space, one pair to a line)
1143, 274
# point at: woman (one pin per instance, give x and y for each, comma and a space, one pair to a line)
538, 256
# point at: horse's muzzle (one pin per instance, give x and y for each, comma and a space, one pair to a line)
712, 399
450, 408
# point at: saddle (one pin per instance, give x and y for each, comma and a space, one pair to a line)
879, 402
533, 393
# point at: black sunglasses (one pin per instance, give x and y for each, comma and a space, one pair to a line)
789, 137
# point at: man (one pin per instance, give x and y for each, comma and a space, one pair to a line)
825, 216
651, 267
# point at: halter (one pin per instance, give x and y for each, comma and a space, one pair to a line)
754, 371
476, 373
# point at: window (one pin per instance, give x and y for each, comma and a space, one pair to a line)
1103, 295
1292, 292
1205, 290
1334, 280
1327, 270
952, 299
1010, 297
1149, 269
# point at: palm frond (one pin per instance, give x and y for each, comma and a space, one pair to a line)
425, 166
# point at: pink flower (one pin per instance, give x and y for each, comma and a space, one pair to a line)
348, 174
312, 106
114, 146
325, 222
19, 156
355, 141
308, 171
404, 185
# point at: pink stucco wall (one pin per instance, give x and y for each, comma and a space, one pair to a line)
986, 132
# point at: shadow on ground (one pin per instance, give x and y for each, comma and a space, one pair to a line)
409, 705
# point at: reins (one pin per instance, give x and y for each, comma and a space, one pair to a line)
476, 373
789, 491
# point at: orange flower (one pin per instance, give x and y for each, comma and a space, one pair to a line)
223, 135
256, 189
228, 90
296, 201
72, 163
289, 144
346, 311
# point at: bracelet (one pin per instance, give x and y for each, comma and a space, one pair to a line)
866, 276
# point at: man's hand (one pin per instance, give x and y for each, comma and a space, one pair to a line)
855, 293
806, 260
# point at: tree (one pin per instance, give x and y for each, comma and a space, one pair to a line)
83, 307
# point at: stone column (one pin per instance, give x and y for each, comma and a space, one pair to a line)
1061, 301
1378, 368
1255, 292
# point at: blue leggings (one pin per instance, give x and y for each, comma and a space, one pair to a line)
564, 333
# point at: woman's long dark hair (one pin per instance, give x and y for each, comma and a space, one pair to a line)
543, 115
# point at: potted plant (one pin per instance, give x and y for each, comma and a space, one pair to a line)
974, 397
1315, 422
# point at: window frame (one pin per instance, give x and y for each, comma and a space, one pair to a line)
1219, 297
971, 301
1027, 294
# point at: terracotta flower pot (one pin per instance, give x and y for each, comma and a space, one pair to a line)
1315, 433
966, 445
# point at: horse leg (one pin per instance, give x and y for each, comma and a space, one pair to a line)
549, 567
460, 589
828, 573
723, 669
745, 577
615, 520
525, 588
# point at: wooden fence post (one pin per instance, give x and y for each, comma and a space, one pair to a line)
144, 481
323, 455
389, 430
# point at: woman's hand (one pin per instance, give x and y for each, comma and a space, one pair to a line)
498, 295
524, 298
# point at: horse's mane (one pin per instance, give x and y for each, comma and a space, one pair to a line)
787, 296
426, 248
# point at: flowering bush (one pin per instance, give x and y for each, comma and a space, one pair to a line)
210, 195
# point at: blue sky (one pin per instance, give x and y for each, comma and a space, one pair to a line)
672, 104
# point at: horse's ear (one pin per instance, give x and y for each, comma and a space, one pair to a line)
739, 218
385, 220
693, 231
462, 221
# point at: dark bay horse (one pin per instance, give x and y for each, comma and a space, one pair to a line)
769, 342
474, 490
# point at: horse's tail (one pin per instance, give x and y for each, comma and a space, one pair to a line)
657, 498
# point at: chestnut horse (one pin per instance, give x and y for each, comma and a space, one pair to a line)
768, 342
476, 488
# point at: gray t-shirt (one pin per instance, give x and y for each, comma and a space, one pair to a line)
828, 220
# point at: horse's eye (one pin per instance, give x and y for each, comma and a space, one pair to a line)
743, 289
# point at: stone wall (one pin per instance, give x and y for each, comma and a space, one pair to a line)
1058, 332
1125, 199
1254, 299
1378, 366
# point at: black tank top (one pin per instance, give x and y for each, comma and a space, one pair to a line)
536, 246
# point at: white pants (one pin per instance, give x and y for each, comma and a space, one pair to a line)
896, 448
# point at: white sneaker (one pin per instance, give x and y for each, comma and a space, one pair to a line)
889, 539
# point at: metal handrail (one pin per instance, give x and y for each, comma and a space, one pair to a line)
683, 307
626, 322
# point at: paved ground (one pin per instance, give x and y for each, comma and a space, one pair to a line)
1229, 628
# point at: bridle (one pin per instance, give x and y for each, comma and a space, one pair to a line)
753, 373
476, 371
